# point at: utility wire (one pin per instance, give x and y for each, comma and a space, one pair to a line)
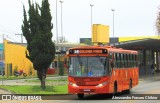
4, 29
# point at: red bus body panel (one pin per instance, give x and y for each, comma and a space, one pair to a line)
89, 85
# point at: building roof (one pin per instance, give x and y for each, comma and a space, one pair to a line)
142, 44
151, 43
58, 45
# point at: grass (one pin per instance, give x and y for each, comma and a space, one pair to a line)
60, 89
21, 77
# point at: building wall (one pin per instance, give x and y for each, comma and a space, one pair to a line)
15, 54
100, 33
1, 52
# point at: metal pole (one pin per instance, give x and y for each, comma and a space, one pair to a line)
91, 17
3, 57
61, 21
113, 25
21, 37
57, 62
57, 32
56, 23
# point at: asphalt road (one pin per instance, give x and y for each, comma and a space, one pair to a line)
147, 86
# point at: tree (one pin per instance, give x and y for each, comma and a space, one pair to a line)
61, 69
37, 31
88, 42
158, 23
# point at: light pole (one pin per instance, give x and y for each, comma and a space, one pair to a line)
61, 22
91, 5
57, 33
21, 37
56, 24
2, 59
113, 25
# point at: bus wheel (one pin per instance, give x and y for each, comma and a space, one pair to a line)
130, 87
80, 95
115, 89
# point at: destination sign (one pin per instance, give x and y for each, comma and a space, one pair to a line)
88, 51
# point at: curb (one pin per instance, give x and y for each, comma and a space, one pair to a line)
7, 91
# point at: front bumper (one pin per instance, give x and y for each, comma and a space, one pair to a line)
88, 89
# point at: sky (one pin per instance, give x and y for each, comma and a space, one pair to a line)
131, 17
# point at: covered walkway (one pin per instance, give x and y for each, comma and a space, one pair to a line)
149, 53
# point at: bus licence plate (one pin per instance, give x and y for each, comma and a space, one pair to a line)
86, 90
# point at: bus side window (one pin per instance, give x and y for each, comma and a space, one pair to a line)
136, 60
131, 57
132, 61
116, 61
124, 59
127, 60
110, 55
120, 60
110, 65
111, 62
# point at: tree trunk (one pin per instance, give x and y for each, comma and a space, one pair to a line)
43, 83
42, 76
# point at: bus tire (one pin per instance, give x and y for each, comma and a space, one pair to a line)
115, 89
130, 87
80, 95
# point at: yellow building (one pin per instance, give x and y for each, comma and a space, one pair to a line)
15, 58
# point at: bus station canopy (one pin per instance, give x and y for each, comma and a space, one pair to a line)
142, 44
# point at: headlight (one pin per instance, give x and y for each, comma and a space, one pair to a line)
73, 84
101, 84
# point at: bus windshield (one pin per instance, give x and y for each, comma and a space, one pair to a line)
88, 66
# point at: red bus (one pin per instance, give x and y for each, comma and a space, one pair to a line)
101, 69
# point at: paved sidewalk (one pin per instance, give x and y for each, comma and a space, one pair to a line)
155, 76
2, 91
